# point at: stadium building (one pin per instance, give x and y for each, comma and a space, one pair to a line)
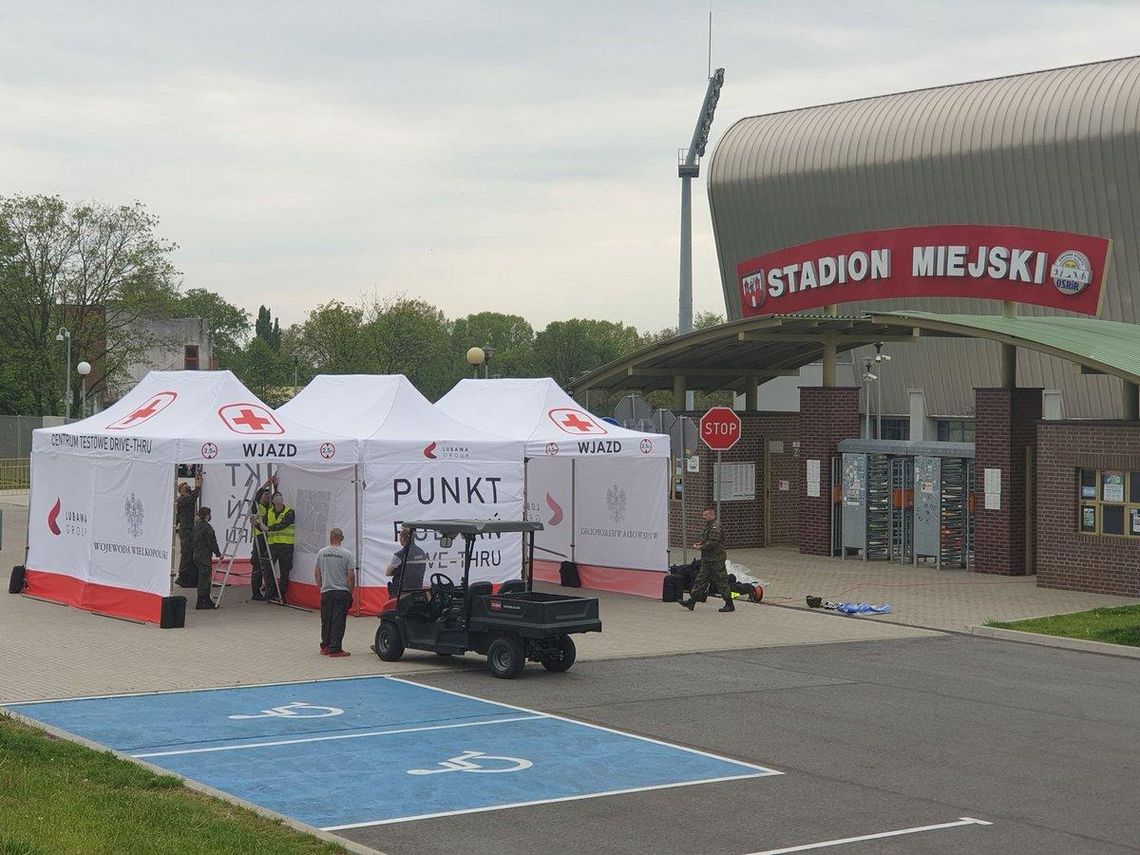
984, 237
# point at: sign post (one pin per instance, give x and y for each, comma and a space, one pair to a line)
720, 431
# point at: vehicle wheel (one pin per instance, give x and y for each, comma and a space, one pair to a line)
564, 658
505, 657
389, 645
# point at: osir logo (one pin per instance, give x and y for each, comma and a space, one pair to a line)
1071, 272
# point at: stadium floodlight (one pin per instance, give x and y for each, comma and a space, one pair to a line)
688, 168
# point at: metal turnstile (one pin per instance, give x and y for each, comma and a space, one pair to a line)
878, 508
904, 502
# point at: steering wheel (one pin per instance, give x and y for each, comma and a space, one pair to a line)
444, 583
445, 588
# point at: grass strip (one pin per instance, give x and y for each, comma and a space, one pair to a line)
1118, 625
59, 797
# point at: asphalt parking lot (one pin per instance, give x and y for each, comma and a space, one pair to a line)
872, 737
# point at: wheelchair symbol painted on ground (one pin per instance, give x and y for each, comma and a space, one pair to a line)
463, 763
297, 709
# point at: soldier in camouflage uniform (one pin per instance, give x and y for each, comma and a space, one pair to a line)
712, 569
184, 513
205, 543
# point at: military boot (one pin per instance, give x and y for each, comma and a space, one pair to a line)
728, 606
205, 603
689, 603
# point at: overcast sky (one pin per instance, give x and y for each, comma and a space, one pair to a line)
509, 156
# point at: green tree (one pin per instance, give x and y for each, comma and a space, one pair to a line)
567, 349
510, 337
268, 328
413, 338
229, 324
702, 321
265, 372
98, 270
332, 340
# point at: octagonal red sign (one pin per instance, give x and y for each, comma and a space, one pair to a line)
720, 428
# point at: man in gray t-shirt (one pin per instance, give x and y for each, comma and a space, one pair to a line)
336, 577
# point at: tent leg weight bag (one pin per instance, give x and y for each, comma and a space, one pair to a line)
568, 575
173, 614
672, 588
17, 580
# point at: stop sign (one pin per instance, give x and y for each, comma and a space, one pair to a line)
720, 428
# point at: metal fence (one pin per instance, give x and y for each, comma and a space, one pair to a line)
16, 433
14, 473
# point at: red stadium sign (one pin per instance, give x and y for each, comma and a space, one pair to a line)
1060, 270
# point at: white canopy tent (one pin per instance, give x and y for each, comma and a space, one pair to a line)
416, 463
601, 490
102, 489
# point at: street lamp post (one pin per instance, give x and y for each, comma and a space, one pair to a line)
868, 379
65, 333
477, 356
880, 362
83, 369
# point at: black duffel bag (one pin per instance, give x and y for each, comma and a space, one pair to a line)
568, 575
672, 588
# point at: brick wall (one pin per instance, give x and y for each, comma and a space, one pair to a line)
827, 415
1006, 425
1066, 558
743, 522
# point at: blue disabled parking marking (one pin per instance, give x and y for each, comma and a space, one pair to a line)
340, 754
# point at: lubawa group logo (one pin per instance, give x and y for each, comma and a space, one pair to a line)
133, 509
429, 451
53, 518
74, 522
555, 511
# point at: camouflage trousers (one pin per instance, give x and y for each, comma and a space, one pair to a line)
712, 573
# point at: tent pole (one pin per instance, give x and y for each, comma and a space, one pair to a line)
573, 506
526, 516
359, 569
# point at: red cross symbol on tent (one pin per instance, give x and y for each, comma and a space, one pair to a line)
154, 405
250, 419
574, 422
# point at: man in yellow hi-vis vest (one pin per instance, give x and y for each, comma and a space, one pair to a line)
280, 525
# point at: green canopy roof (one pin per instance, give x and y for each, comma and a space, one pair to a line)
1107, 346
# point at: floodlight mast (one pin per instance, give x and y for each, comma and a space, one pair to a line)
688, 168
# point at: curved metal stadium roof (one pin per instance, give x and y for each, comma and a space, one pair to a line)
1056, 149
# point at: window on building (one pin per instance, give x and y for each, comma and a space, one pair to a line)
1109, 502
955, 430
895, 427
190, 361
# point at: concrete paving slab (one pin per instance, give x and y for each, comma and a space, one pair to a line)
65, 652
951, 600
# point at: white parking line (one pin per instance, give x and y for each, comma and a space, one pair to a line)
583, 797
764, 770
243, 746
966, 820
